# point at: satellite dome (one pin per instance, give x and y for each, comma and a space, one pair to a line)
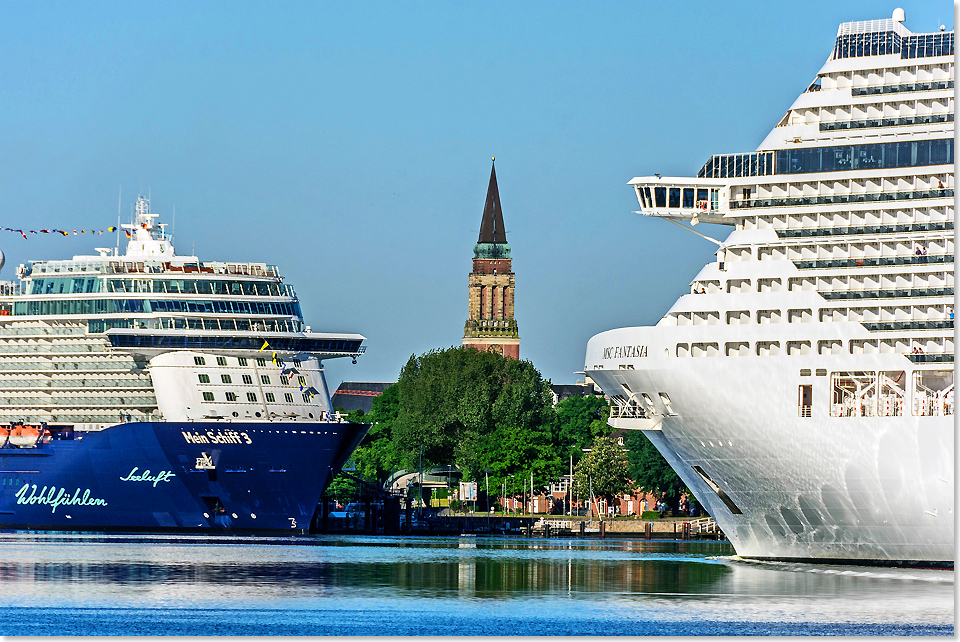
2, 259
899, 15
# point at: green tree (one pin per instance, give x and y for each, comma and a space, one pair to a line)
604, 469
478, 410
376, 457
650, 471
578, 421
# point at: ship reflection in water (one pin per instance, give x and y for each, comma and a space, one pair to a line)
200, 585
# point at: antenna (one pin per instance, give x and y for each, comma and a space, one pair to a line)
116, 250
173, 231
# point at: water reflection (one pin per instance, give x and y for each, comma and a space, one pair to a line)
412, 582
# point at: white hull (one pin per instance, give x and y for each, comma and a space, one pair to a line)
878, 489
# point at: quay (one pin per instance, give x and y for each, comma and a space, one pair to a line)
393, 516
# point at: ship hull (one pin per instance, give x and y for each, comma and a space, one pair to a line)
175, 476
870, 490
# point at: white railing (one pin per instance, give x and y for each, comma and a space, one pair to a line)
627, 411
703, 525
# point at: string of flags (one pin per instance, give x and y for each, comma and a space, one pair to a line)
288, 372
24, 233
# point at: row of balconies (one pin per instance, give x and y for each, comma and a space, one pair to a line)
850, 230
863, 197
873, 90
874, 261
865, 123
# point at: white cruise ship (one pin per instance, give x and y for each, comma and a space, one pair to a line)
803, 389
150, 390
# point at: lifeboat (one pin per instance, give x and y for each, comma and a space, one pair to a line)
22, 436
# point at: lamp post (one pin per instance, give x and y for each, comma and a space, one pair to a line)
509, 477
486, 478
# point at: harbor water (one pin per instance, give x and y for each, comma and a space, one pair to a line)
74, 584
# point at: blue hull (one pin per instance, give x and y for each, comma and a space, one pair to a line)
175, 476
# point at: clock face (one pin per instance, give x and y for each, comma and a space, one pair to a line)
496, 347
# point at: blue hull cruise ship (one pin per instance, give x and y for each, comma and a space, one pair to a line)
151, 391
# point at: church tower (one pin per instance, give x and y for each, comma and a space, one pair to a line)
490, 323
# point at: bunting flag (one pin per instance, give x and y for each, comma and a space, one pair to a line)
23, 233
289, 372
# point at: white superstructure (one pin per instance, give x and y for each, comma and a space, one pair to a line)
149, 335
803, 389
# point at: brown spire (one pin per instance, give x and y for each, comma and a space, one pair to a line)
491, 227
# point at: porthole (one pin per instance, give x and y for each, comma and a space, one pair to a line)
257, 414
236, 414
311, 415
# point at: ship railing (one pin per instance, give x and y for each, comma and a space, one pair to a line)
848, 230
866, 123
864, 197
872, 261
894, 293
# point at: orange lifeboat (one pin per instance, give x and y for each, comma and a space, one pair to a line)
24, 436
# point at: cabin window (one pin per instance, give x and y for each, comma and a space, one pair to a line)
231, 396
225, 378
270, 397
208, 396
204, 378
252, 396
221, 361
200, 361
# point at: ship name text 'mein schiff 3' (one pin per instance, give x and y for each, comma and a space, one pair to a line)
152, 391
803, 389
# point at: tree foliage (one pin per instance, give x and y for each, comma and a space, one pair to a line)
604, 469
478, 410
650, 470
578, 422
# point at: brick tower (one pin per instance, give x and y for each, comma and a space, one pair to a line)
490, 324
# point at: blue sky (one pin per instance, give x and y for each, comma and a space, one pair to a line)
350, 143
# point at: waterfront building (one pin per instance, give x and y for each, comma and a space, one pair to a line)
490, 313
358, 395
